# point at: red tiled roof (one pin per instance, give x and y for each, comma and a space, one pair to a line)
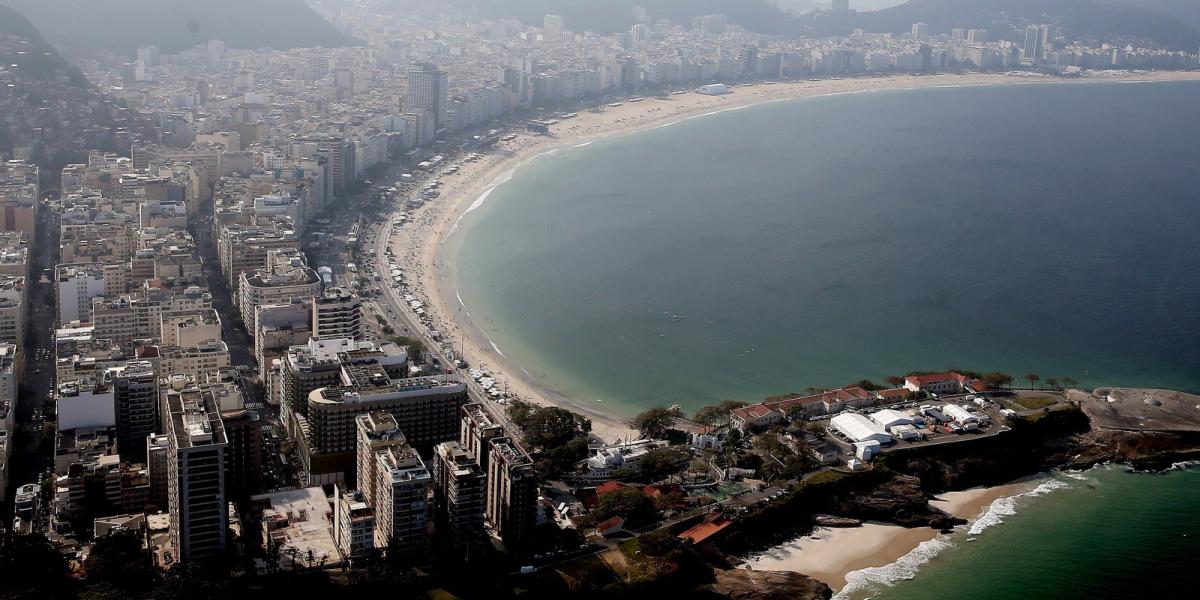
979, 385
608, 487
893, 393
712, 524
921, 380
610, 524
841, 394
754, 411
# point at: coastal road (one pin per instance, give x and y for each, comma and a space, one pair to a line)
402, 319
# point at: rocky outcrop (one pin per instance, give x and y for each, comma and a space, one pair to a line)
900, 500
835, 521
1143, 451
742, 584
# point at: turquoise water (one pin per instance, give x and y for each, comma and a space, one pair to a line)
1104, 534
1047, 229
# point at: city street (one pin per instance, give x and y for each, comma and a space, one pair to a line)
34, 440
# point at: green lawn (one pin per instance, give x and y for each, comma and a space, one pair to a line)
1035, 402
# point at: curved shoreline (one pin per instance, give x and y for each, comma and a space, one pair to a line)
422, 247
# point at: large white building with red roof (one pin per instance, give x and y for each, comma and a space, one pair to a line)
943, 383
765, 414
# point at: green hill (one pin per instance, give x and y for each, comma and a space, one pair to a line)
34, 57
611, 16
173, 25
1187, 11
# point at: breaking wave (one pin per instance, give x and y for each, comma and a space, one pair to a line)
873, 579
906, 567
1003, 508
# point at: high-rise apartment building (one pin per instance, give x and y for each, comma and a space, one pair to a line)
318, 363
920, 31
459, 488
476, 432
12, 309
136, 396
353, 524
156, 468
376, 431
552, 27
511, 502
1036, 39
195, 475
77, 286
402, 500
337, 314
428, 92
425, 408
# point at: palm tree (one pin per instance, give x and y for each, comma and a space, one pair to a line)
1069, 382
1053, 383
1033, 379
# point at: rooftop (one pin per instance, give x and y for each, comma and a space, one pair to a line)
300, 519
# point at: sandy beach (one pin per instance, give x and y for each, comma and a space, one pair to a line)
418, 245
829, 555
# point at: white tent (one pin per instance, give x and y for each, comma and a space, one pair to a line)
859, 428
960, 414
889, 418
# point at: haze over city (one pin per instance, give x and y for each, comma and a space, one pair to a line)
552, 298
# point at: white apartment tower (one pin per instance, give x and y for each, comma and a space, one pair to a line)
428, 93
376, 431
552, 27
402, 505
337, 314
353, 525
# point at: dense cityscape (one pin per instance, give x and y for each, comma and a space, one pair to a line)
218, 346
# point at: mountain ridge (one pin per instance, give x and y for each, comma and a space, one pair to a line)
611, 16
1095, 20
41, 61
174, 25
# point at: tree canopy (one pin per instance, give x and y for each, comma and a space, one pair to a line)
655, 423
629, 503
997, 379
660, 462
717, 414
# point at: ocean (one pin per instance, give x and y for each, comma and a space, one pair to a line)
1046, 229
1100, 534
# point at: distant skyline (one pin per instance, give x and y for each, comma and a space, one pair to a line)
860, 5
